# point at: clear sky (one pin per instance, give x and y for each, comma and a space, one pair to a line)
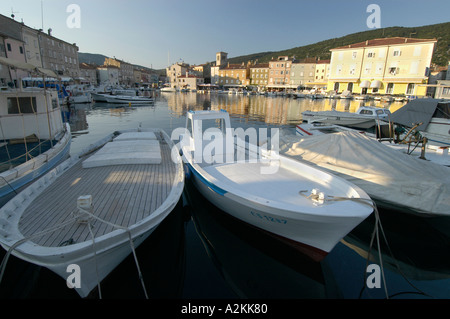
154, 32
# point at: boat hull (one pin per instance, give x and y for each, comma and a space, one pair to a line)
438, 132
33, 169
313, 235
355, 122
95, 258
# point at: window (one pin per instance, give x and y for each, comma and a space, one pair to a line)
379, 68
393, 70
371, 54
414, 67
410, 89
397, 53
17, 105
350, 87
54, 103
8, 45
368, 68
339, 69
352, 69
417, 50
390, 88
354, 54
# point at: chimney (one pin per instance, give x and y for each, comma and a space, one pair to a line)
49, 31
367, 42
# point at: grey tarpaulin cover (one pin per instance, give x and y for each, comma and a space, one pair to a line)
414, 112
386, 175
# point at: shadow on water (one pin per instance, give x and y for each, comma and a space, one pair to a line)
254, 264
414, 257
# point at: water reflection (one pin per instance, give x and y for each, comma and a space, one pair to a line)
253, 264
270, 110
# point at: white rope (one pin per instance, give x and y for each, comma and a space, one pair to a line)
133, 249
375, 233
70, 221
23, 240
95, 258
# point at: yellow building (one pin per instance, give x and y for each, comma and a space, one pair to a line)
259, 74
385, 66
234, 75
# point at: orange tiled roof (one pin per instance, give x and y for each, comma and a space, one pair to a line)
384, 41
260, 65
234, 66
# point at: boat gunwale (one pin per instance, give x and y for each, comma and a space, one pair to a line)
246, 196
33, 252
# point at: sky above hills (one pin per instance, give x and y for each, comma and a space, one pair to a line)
154, 33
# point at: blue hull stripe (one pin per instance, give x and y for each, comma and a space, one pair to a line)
210, 185
34, 175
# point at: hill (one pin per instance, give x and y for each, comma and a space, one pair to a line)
322, 49
99, 59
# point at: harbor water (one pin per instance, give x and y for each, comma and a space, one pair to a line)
199, 252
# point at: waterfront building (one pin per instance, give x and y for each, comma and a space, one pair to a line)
108, 74
234, 75
221, 61
280, 72
259, 75
13, 48
321, 74
126, 70
88, 73
38, 48
386, 66
174, 71
303, 72
442, 89
59, 56
189, 81
202, 71
5, 76
31, 44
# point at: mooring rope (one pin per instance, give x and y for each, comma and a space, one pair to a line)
68, 222
133, 249
376, 234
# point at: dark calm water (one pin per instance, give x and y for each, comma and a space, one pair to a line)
199, 252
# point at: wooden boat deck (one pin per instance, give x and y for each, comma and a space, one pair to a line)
121, 195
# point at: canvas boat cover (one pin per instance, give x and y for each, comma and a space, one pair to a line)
127, 148
414, 112
387, 175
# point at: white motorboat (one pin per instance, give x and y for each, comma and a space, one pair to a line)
79, 98
33, 137
94, 209
124, 99
168, 89
346, 95
365, 117
99, 97
302, 205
